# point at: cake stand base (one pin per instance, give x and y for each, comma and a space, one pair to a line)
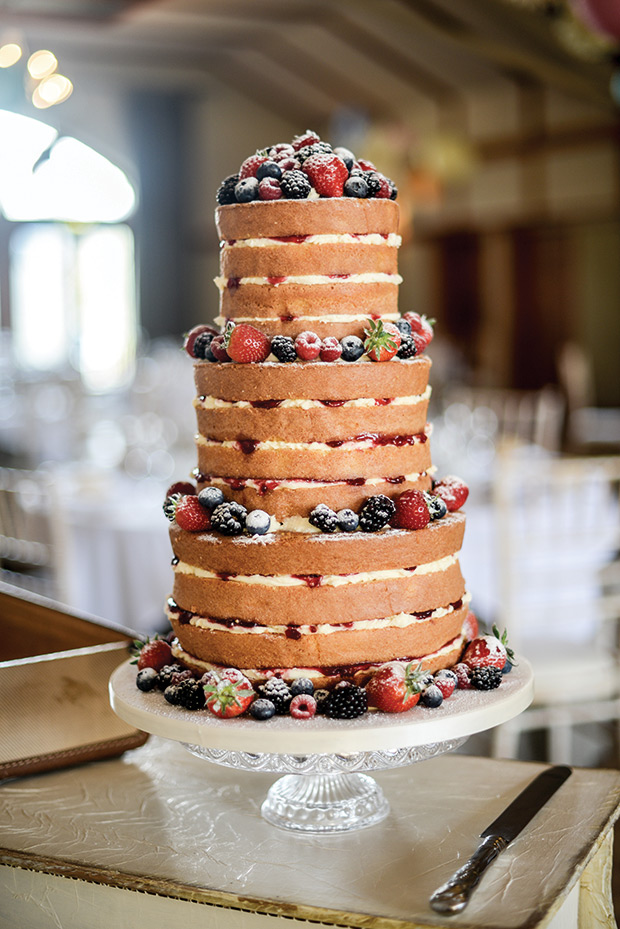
325, 803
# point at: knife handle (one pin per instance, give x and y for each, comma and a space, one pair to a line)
453, 896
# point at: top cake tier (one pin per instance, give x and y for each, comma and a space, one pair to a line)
324, 265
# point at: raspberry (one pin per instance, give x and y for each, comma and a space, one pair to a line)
421, 326
453, 491
411, 511
164, 678
486, 678
190, 515
218, 348
281, 150
327, 174
181, 487
376, 513
269, 189
323, 518
250, 165
295, 185
283, 347
446, 681
229, 518
226, 191
289, 164
462, 672
378, 185
308, 345
331, 349
308, 138
346, 701
303, 706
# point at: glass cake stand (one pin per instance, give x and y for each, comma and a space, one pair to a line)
324, 787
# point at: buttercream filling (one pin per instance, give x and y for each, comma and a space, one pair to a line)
323, 580
371, 277
371, 238
265, 485
326, 318
397, 621
363, 441
215, 403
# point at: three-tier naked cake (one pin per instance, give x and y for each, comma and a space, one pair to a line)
327, 547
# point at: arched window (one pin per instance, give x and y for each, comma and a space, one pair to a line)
68, 270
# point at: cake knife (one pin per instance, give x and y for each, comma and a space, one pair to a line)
453, 896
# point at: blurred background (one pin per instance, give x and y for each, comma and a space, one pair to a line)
499, 122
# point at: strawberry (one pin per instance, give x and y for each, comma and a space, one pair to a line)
394, 688
331, 349
308, 345
422, 327
411, 511
190, 514
470, 627
308, 138
245, 343
218, 348
462, 672
485, 651
227, 693
382, 340
446, 680
192, 335
269, 189
453, 491
383, 188
365, 165
250, 165
155, 653
327, 174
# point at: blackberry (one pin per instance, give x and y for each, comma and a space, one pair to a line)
164, 678
317, 148
373, 182
261, 708
295, 185
247, 190
376, 513
146, 679
486, 678
210, 497
191, 695
229, 518
202, 343
320, 697
403, 326
408, 348
302, 686
355, 186
226, 191
283, 347
324, 518
348, 521
346, 701
172, 694
352, 348
276, 690
436, 506
268, 169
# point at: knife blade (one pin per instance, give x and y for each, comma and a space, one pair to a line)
453, 896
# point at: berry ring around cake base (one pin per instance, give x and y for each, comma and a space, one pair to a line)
324, 789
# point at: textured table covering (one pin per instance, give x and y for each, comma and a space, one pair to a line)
166, 822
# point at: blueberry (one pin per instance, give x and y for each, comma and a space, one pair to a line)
447, 672
210, 497
257, 522
348, 521
347, 156
436, 506
146, 679
432, 697
247, 190
268, 169
262, 709
355, 186
302, 686
403, 326
506, 669
352, 348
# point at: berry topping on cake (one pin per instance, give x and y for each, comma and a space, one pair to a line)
365, 165
485, 651
303, 706
348, 521
146, 679
308, 345
210, 497
446, 680
355, 186
323, 518
302, 685
470, 627
308, 138
378, 185
345, 701
257, 522
226, 191
352, 348
436, 506
155, 653
278, 691
245, 343
190, 515
376, 513
180, 487
327, 173
250, 165
261, 708
229, 518
486, 678
421, 329
317, 148
331, 349
218, 348
190, 340
463, 673
283, 347
411, 511
382, 340
408, 348
295, 185
431, 696
269, 189
226, 694
347, 156
394, 688
453, 491
269, 169
247, 190
191, 695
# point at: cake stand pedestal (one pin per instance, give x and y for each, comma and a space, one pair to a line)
325, 787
